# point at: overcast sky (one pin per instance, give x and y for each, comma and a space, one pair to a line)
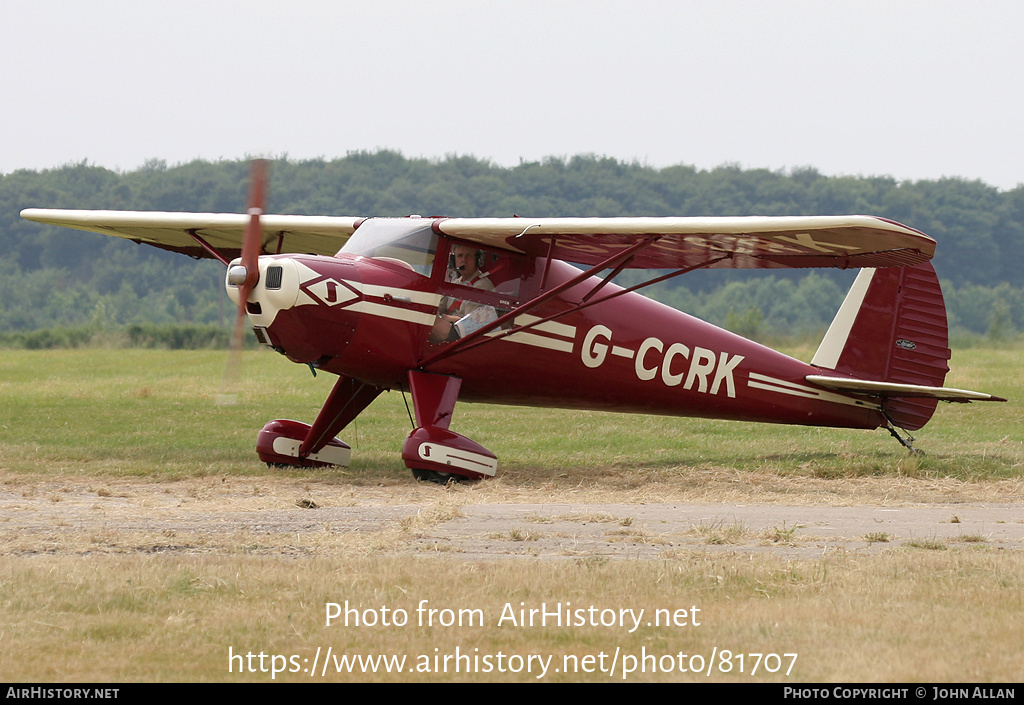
913, 90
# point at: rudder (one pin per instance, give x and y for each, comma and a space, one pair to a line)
892, 328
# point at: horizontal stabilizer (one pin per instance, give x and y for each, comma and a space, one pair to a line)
894, 389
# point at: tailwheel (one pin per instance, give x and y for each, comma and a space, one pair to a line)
905, 442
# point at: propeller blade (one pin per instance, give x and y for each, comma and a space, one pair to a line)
248, 278
253, 233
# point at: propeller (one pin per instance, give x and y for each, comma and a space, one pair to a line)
246, 274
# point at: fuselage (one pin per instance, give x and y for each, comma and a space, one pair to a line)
371, 317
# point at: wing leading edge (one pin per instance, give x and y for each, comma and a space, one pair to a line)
755, 242
675, 242
322, 235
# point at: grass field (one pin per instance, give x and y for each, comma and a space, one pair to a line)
152, 413
81, 603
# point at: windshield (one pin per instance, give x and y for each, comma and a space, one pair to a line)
409, 240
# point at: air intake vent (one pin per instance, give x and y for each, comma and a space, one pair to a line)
274, 274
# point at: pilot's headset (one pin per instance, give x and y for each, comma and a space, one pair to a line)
481, 259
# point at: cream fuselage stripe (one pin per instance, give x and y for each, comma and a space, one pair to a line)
781, 386
422, 298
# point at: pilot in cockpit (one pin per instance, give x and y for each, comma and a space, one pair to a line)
456, 317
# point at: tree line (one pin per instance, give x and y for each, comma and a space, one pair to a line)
53, 277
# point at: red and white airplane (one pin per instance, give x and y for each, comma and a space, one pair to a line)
489, 310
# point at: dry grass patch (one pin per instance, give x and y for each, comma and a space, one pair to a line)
589, 518
973, 538
781, 534
718, 532
154, 617
432, 515
630, 534
931, 544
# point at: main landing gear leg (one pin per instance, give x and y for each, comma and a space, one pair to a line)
433, 452
286, 442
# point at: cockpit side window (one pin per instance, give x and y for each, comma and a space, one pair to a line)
480, 285
410, 241
488, 270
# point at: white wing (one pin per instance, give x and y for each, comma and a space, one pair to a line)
740, 242
322, 235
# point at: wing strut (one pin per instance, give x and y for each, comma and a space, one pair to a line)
641, 285
617, 262
465, 343
607, 278
476, 338
585, 303
210, 249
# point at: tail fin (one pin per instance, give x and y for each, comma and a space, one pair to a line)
892, 329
